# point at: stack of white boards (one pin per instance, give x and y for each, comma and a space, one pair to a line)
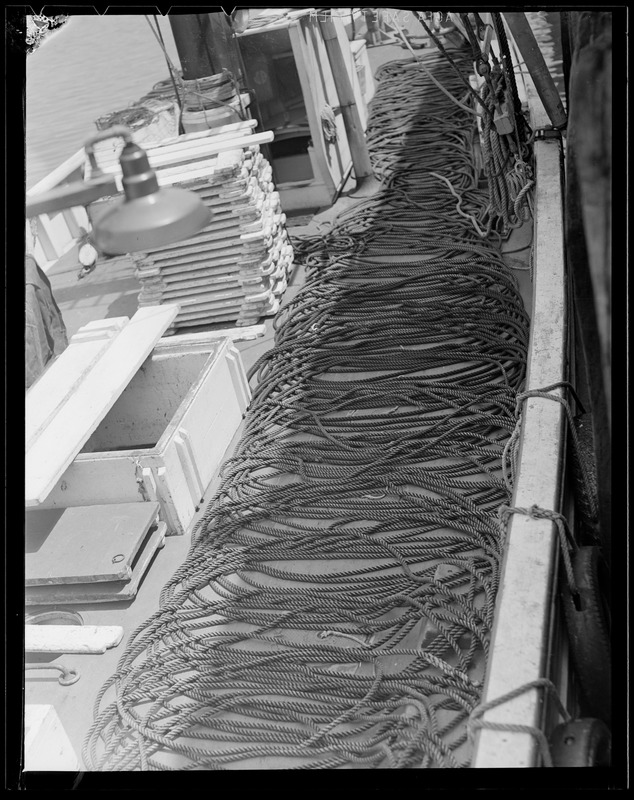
237, 268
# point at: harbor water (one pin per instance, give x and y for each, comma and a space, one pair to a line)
97, 64
92, 66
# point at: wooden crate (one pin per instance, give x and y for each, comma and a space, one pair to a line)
164, 437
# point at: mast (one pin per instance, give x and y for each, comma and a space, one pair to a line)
205, 45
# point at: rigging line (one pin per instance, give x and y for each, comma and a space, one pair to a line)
161, 43
171, 69
420, 63
453, 64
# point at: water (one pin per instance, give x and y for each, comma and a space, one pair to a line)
95, 65
91, 66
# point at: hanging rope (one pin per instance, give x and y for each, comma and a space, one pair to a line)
506, 157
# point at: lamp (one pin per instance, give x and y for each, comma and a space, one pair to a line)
148, 216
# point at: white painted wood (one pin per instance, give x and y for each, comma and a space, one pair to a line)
66, 170
167, 513
47, 747
359, 51
172, 486
46, 396
152, 398
206, 339
522, 634
239, 378
200, 150
188, 465
224, 279
109, 157
50, 453
71, 638
289, 18
312, 98
196, 394
232, 127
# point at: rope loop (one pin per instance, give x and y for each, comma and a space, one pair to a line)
476, 722
567, 541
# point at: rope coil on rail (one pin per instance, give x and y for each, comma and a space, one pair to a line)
336, 605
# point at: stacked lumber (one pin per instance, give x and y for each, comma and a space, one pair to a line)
237, 268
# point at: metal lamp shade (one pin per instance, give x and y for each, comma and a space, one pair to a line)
144, 223
149, 216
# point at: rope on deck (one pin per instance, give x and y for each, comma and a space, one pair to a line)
336, 605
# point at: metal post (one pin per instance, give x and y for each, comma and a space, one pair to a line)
191, 36
532, 55
224, 44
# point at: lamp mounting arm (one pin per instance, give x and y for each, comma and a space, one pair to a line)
108, 133
81, 193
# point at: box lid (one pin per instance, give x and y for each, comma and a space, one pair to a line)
89, 543
70, 399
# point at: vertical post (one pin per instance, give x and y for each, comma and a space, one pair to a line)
205, 45
363, 171
225, 46
191, 36
532, 55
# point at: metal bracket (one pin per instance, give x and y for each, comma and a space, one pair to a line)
68, 674
547, 133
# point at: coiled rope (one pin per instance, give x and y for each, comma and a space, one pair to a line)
336, 605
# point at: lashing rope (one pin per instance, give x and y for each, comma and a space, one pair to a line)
336, 605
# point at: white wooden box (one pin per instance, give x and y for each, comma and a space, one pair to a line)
165, 435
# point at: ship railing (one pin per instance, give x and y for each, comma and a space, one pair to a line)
528, 645
50, 236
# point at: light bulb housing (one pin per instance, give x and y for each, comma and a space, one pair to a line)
149, 216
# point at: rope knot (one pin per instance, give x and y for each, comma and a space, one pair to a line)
475, 718
567, 542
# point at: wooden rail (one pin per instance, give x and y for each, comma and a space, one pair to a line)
522, 643
49, 236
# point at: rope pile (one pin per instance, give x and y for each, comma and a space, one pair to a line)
336, 605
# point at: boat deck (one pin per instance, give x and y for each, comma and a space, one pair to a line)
111, 293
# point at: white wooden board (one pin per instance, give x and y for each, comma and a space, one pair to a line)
53, 450
45, 397
71, 638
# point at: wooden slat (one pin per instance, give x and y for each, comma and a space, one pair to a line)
231, 127
46, 397
204, 150
50, 453
59, 175
71, 638
195, 342
198, 142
